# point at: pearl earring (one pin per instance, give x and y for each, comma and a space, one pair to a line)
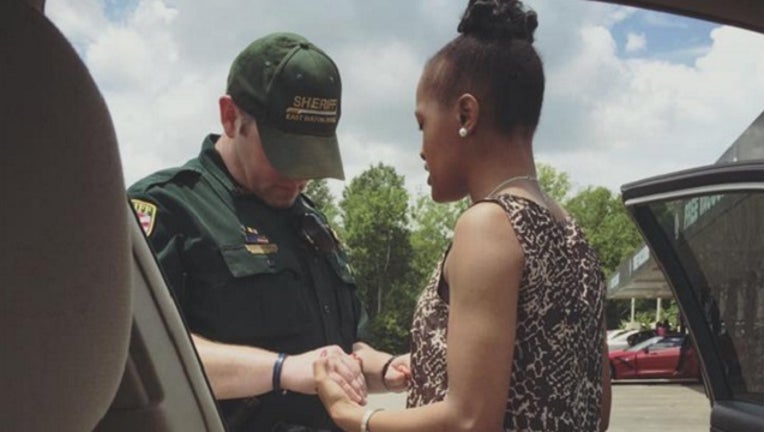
463, 132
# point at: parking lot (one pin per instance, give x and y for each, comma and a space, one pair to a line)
636, 407
660, 406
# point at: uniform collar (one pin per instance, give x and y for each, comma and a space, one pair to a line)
213, 163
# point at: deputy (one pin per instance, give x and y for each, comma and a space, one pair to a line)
263, 284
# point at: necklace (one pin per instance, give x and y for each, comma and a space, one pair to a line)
503, 184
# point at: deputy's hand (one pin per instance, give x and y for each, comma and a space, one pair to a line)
344, 370
398, 374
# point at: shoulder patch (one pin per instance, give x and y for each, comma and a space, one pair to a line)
147, 214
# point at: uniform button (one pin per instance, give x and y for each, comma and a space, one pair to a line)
327, 309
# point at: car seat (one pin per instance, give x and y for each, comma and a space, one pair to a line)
91, 338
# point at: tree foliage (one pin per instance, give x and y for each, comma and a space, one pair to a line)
433, 225
608, 227
555, 183
318, 192
377, 234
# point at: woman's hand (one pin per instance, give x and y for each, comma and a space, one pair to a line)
338, 404
398, 374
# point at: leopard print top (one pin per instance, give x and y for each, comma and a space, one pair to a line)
556, 382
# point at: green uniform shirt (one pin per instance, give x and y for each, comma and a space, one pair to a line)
244, 273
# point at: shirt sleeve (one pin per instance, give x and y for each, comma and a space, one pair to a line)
160, 225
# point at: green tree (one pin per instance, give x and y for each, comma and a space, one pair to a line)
555, 183
433, 224
318, 192
376, 232
608, 227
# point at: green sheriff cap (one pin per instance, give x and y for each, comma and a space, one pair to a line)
293, 90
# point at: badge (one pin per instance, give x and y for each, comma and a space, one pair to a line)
252, 236
257, 243
262, 249
147, 213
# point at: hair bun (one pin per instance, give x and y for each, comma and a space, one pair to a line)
498, 19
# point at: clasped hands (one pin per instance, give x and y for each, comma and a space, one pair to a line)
335, 389
344, 370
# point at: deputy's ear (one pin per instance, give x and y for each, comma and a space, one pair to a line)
468, 110
228, 115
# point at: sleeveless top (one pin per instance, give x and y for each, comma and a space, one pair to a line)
556, 382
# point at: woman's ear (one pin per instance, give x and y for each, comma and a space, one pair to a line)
228, 115
469, 112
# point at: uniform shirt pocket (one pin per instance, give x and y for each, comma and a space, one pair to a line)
266, 297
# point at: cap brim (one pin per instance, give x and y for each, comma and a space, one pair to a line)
300, 156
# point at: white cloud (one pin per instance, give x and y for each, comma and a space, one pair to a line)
381, 72
635, 42
81, 21
606, 120
121, 56
649, 117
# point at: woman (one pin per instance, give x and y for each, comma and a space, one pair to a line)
519, 297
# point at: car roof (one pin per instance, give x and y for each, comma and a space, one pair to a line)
747, 14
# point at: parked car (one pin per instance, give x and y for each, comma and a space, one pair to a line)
619, 340
612, 334
664, 357
639, 337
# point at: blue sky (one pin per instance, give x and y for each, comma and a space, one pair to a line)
677, 40
119, 10
629, 94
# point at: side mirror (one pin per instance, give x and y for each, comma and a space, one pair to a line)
646, 350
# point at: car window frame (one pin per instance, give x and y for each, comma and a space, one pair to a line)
637, 196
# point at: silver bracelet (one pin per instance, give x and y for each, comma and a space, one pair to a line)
366, 417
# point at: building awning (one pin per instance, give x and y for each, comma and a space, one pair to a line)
638, 277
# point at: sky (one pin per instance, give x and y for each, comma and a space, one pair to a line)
629, 93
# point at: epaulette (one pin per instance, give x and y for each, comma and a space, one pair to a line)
179, 175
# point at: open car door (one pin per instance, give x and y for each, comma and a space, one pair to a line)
91, 338
705, 227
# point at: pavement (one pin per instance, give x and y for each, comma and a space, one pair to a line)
638, 407
659, 407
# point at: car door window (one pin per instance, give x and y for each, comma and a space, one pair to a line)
666, 343
719, 240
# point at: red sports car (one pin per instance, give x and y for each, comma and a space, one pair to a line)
666, 357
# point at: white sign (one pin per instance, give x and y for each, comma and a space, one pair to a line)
614, 280
640, 258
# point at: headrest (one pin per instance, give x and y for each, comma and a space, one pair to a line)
64, 282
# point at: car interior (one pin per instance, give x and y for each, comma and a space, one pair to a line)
91, 336
94, 338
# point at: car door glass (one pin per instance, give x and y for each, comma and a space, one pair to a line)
719, 240
666, 344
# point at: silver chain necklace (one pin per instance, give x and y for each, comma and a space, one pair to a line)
503, 184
